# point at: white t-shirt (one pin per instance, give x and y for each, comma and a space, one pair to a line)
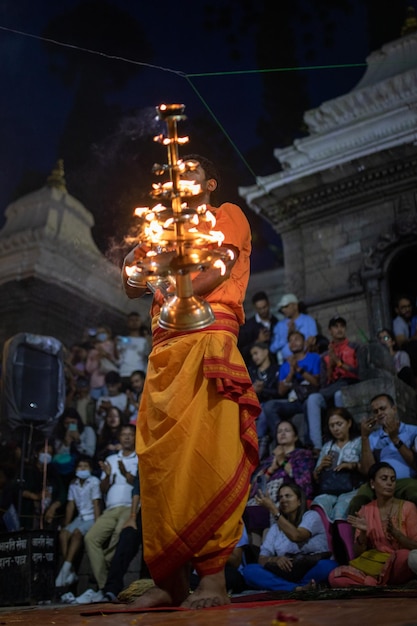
83, 496
120, 491
133, 354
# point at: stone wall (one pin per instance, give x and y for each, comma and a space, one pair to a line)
341, 231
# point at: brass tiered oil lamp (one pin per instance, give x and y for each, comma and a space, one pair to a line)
174, 240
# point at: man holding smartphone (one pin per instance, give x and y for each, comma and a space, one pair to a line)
386, 438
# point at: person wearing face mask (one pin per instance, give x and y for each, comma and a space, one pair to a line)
43, 495
71, 439
83, 502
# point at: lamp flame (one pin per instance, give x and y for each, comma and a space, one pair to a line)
174, 239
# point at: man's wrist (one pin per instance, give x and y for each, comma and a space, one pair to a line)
398, 443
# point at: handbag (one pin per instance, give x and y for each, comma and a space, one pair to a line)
303, 390
336, 483
370, 562
301, 564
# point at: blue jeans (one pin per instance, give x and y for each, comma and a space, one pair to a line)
257, 577
277, 410
261, 424
318, 402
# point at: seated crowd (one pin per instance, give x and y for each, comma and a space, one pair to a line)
332, 502
82, 480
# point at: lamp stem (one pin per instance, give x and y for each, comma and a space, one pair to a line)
184, 285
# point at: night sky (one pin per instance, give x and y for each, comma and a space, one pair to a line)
205, 55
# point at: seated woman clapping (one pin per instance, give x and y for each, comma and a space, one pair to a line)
289, 463
295, 551
385, 532
337, 476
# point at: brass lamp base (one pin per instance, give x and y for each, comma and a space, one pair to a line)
187, 313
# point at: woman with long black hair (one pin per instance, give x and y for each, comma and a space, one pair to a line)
295, 552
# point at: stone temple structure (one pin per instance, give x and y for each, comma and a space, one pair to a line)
53, 279
345, 202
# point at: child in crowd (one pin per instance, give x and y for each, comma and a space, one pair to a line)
84, 501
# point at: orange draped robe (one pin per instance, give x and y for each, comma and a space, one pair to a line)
196, 435
395, 570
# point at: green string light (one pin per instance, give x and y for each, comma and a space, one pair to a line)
188, 77
279, 69
206, 105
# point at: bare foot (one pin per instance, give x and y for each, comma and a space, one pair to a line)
210, 592
170, 592
308, 587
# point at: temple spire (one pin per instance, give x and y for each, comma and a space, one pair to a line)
56, 178
410, 23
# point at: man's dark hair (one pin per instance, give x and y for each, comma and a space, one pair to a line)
138, 372
402, 296
113, 378
296, 332
259, 295
384, 395
260, 344
86, 459
130, 426
208, 167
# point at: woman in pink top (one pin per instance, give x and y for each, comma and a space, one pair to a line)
387, 525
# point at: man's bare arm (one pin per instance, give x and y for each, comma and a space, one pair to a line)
367, 457
131, 292
208, 280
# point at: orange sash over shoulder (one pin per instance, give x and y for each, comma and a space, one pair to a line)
197, 446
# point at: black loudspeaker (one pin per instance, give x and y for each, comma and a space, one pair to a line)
33, 381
